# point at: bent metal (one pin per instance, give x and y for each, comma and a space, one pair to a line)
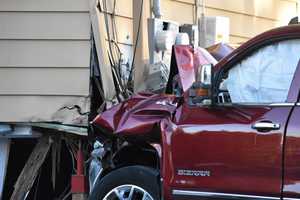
192, 144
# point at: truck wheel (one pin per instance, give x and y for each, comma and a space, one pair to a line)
128, 183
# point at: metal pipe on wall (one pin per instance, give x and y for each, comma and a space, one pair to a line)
156, 9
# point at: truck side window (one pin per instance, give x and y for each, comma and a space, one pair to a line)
265, 76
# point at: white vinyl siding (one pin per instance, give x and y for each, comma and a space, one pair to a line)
44, 81
44, 53
247, 17
44, 58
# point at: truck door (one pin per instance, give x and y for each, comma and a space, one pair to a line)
235, 149
291, 183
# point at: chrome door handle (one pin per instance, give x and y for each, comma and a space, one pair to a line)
266, 126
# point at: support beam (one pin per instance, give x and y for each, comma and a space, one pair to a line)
99, 32
4, 154
31, 169
141, 57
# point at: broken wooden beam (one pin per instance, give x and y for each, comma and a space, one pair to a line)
31, 169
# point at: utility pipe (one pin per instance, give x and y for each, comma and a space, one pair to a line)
156, 9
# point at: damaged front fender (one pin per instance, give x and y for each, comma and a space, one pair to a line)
135, 120
137, 116
140, 114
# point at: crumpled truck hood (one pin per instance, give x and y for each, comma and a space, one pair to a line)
137, 115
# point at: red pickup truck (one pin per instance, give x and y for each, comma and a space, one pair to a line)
233, 132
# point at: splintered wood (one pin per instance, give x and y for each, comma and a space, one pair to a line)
31, 169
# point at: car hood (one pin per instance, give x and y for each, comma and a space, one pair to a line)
137, 115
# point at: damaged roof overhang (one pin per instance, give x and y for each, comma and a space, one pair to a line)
27, 130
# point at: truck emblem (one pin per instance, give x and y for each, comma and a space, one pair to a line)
197, 173
165, 103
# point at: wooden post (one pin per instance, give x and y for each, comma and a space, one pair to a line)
4, 154
30, 171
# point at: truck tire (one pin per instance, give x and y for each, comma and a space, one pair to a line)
129, 183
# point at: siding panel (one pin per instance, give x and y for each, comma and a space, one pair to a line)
44, 53
270, 9
243, 25
124, 28
123, 7
47, 25
43, 5
288, 9
236, 40
49, 81
44, 60
247, 17
171, 10
38, 108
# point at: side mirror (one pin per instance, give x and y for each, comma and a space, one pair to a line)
200, 93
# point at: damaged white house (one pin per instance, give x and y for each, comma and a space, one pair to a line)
64, 61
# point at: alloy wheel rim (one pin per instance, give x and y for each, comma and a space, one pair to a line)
128, 192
